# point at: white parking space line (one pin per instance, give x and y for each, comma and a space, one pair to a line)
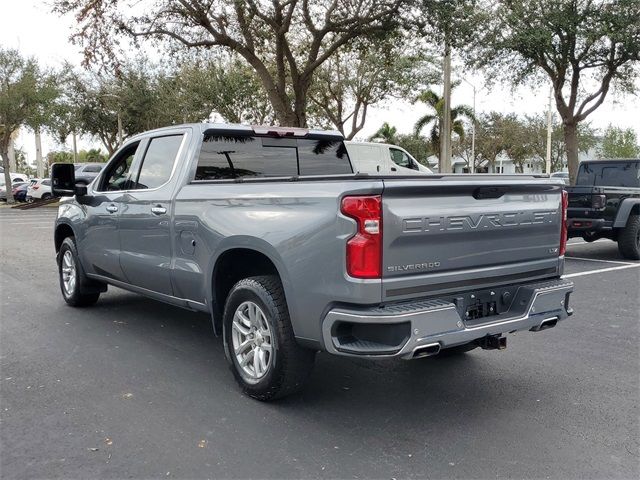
582, 242
599, 260
601, 270
23, 223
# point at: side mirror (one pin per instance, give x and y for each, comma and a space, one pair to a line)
63, 181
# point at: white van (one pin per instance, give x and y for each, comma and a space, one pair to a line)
370, 157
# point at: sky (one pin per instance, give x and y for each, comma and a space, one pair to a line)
29, 26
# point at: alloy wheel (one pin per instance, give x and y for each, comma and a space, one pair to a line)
68, 271
252, 341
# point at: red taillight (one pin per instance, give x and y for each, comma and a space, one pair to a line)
35, 187
563, 228
598, 202
364, 249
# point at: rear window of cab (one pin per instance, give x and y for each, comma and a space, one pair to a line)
249, 156
609, 173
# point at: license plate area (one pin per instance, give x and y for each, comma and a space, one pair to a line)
483, 306
481, 310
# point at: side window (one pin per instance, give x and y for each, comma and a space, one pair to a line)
223, 157
323, 157
117, 176
400, 158
46, 182
158, 161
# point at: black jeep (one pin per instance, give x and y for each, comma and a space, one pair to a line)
605, 203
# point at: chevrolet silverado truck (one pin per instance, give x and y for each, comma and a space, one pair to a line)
269, 231
605, 203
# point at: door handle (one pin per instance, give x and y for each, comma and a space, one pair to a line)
112, 209
393, 169
158, 210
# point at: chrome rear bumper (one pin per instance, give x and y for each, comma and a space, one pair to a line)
397, 330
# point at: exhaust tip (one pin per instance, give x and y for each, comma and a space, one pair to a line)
546, 324
426, 350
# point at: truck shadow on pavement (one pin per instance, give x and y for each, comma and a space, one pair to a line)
436, 389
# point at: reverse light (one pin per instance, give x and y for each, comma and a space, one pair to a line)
364, 249
563, 227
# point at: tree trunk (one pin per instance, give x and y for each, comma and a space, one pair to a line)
4, 152
571, 146
75, 148
39, 163
445, 132
13, 164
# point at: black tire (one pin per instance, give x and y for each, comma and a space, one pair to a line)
46, 196
458, 349
75, 297
629, 239
289, 364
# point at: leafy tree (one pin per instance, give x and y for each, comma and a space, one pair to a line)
584, 47
93, 155
619, 143
284, 41
227, 87
489, 138
350, 82
417, 146
436, 118
22, 165
96, 109
59, 156
461, 148
22, 98
385, 134
536, 125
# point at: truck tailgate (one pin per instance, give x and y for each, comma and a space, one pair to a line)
448, 233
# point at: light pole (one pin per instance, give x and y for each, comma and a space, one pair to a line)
473, 128
445, 134
549, 130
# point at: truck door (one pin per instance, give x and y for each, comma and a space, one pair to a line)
145, 226
401, 162
101, 243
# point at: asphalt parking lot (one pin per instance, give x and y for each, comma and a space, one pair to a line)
131, 388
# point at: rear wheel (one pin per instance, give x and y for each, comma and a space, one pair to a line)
260, 346
72, 278
629, 239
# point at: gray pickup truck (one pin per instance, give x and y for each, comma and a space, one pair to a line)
270, 231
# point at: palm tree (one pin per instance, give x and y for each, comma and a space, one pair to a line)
386, 133
436, 102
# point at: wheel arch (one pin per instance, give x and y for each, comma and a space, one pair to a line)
236, 261
629, 206
62, 231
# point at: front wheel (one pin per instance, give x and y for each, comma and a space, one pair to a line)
260, 346
46, 196
629, 239
72, 277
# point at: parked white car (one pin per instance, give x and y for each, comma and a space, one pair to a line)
15, 177
39, 190
383, 158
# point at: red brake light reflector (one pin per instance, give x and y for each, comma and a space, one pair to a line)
364, 249
563, 227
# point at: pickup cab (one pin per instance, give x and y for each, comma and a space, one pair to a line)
269, 231
605, 203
